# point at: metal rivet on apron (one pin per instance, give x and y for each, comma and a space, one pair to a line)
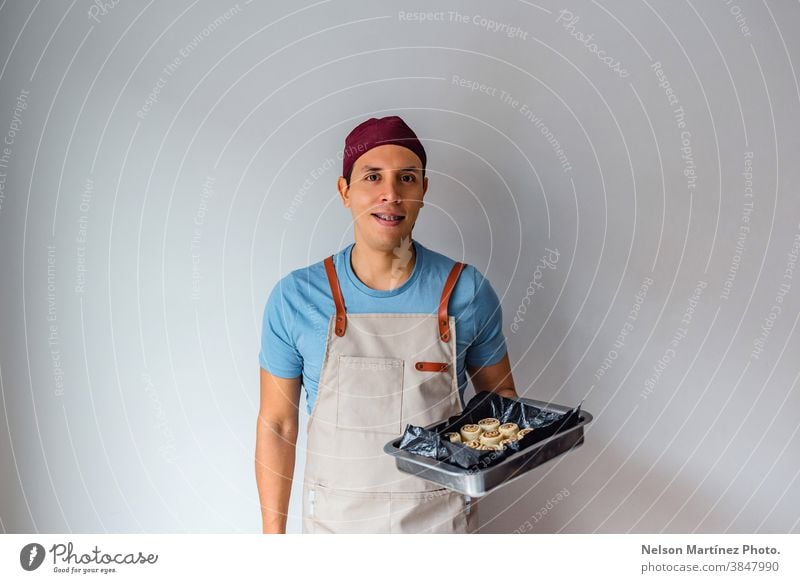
445, 337
419, 366
444, 322
338, 318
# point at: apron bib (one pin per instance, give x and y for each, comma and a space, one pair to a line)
380, 372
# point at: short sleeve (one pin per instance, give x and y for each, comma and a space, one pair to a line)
279, 355
489, 344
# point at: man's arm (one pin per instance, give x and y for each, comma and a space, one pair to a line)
276, 436
495, 377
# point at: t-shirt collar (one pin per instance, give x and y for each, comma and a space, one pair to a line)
361, 286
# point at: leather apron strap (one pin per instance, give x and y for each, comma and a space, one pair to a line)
338, 300
444, 325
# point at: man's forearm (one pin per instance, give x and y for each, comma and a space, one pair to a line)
275, 457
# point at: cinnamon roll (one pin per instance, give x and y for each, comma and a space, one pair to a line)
470, 432
523, 432
508, 429
474, 444
490, 437
452, 437
489, 424
488, 447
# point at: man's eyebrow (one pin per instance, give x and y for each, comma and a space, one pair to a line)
377, 168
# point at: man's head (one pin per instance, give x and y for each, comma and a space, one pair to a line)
383, 180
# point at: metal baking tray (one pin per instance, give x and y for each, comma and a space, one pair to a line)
479, 482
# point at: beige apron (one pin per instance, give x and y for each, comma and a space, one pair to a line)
380, 372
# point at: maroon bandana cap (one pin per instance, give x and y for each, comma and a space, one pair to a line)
379, 132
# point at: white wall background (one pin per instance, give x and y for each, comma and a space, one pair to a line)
141, 233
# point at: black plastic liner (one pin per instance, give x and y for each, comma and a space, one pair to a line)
432, 443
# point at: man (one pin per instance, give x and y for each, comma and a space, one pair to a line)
381, 335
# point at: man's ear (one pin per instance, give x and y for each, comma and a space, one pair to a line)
344, 194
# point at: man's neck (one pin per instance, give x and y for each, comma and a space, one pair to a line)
384, 270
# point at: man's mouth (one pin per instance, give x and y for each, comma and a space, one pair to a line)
388, 220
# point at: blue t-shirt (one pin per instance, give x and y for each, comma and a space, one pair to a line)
296, 316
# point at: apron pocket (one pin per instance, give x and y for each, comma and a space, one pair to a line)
343, 511
438, 511
370, 394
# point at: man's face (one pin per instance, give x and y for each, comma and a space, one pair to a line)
385, 195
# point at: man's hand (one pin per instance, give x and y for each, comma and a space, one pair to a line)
496, 378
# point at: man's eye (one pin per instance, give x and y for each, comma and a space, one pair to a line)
409, 176
368, 176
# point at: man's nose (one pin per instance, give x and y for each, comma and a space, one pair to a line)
390, 192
